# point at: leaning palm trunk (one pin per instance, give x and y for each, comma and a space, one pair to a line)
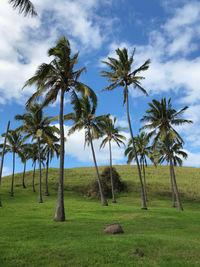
175, 186
34, 177
40, 177
172, 187
144, 176
111, 175
60, 211
103, 199
46, 181
2, 158
143, 206
13, 175
23, 178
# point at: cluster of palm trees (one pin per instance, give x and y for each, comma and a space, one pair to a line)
58, 78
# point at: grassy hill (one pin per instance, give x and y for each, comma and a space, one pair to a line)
168, 237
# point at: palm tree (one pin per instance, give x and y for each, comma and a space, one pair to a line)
161, 119
84, 117
121, 74
109, 129
24, 155
14, 143
59, 76
2, 158
170, 151
37, 127
24, 6
144, 151
50, 149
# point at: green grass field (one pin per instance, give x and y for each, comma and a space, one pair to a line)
168, 237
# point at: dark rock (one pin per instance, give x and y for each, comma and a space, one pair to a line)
139, 252
113, 228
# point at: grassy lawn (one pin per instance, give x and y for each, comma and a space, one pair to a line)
168, 237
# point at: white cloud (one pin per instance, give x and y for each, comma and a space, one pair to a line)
192, 160
25, 40
74, 147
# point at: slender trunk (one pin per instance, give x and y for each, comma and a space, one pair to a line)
143, 204
144, 176
13, 174
46, 181
23, 183
40, 177
2, 158
111, 175
176, 187
103, 199
60, 211
34, 177
172, 187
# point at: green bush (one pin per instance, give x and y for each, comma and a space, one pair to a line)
119, 186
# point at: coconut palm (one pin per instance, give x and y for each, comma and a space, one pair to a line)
37, 127
2, 158
170, 151
14, 143
24, 6
24, 155
112, 133
122, 75
84, 118
161, 118
57, 77
50, 149
144, 151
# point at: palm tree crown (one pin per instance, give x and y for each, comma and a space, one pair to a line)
24, 6
161, 119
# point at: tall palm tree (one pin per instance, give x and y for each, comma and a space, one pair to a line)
121, 74
50, 149
37, 127
161, 119
24, 155
14, 143
2, 158
112, 133
24, 6
144, 151
84, 117
170, 151
57, 77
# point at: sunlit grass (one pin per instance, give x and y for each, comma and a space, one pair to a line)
168, 237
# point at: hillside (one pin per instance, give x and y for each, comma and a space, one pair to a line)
168, 237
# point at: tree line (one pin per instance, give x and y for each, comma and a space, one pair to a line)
54, 80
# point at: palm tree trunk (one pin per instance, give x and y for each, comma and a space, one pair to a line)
172, 187
2, 158
60, 211
175, 187
40, 177
34, 177
46, 181
111, 174
103, 199
144, 176
23, 183
143, 204
13, 174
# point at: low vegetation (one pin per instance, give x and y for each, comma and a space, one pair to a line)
166, 236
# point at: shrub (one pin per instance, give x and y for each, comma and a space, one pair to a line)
119, 186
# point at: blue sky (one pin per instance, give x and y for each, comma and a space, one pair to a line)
166, 31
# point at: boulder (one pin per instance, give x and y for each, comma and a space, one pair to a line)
113, 228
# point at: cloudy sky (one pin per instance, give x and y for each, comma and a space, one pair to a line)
166, 31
